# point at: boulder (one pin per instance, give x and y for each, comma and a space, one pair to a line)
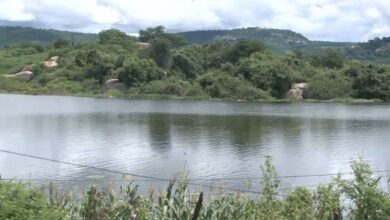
28, 67
23, 75
142, 45
52, 62
115, 84
296, 91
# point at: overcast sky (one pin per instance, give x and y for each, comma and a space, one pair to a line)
335, 20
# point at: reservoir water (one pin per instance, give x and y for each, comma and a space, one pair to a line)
214, 142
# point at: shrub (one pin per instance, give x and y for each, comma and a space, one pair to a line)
267, 74
370, 81
170, 86
61, 43
221, 85
329, 85
20, 201
138, 71
329, 58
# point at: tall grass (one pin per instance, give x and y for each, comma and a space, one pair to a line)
360, 197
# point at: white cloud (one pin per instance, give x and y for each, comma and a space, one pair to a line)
13, 10
336, 20
373, 13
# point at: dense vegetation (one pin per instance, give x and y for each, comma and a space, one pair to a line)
159, 64
359, 197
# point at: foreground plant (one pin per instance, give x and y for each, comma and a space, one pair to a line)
358, 198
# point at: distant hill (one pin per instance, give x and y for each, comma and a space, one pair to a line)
279, 41
377, 50
18, 35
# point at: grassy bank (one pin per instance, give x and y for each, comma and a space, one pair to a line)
359, 197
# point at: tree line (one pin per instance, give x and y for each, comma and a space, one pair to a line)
157, 63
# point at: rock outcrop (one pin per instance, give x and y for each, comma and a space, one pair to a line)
115, 84
52, 62
28, 67
23, 75
142, 45
296, 91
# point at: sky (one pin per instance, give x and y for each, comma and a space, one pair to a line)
332, 20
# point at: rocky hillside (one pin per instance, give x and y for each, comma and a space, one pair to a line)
279, 41
377, 50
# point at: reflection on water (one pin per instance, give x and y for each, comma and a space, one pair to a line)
207, 139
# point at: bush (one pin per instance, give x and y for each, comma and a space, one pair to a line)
186, 65
221, 85
244, 48
267, 74
138, 71
359, 197
370, 81
329, 58
170, 86
61, 43
329, 85
19, 201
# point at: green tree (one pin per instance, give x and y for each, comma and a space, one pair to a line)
270, 205
366, 194
329, 84
329, 58
136, 71
61, 43
244, 48
186, 64
218, 84
267, 73
114, 36
151, 34
160, 51
370, 81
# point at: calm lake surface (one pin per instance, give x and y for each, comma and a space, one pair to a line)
207, 139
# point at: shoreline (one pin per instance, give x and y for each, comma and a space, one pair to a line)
125, 96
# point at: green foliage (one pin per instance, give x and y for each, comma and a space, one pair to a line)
218, 84
138, 71
61, 43
20, 201
160, 52
267, 73
188, 62
171, 86
329, 84
231, 67
299, 204
329, 58
370, 81
114, 36
151, 34
370, 202
359, 197
328, 201
244, 48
